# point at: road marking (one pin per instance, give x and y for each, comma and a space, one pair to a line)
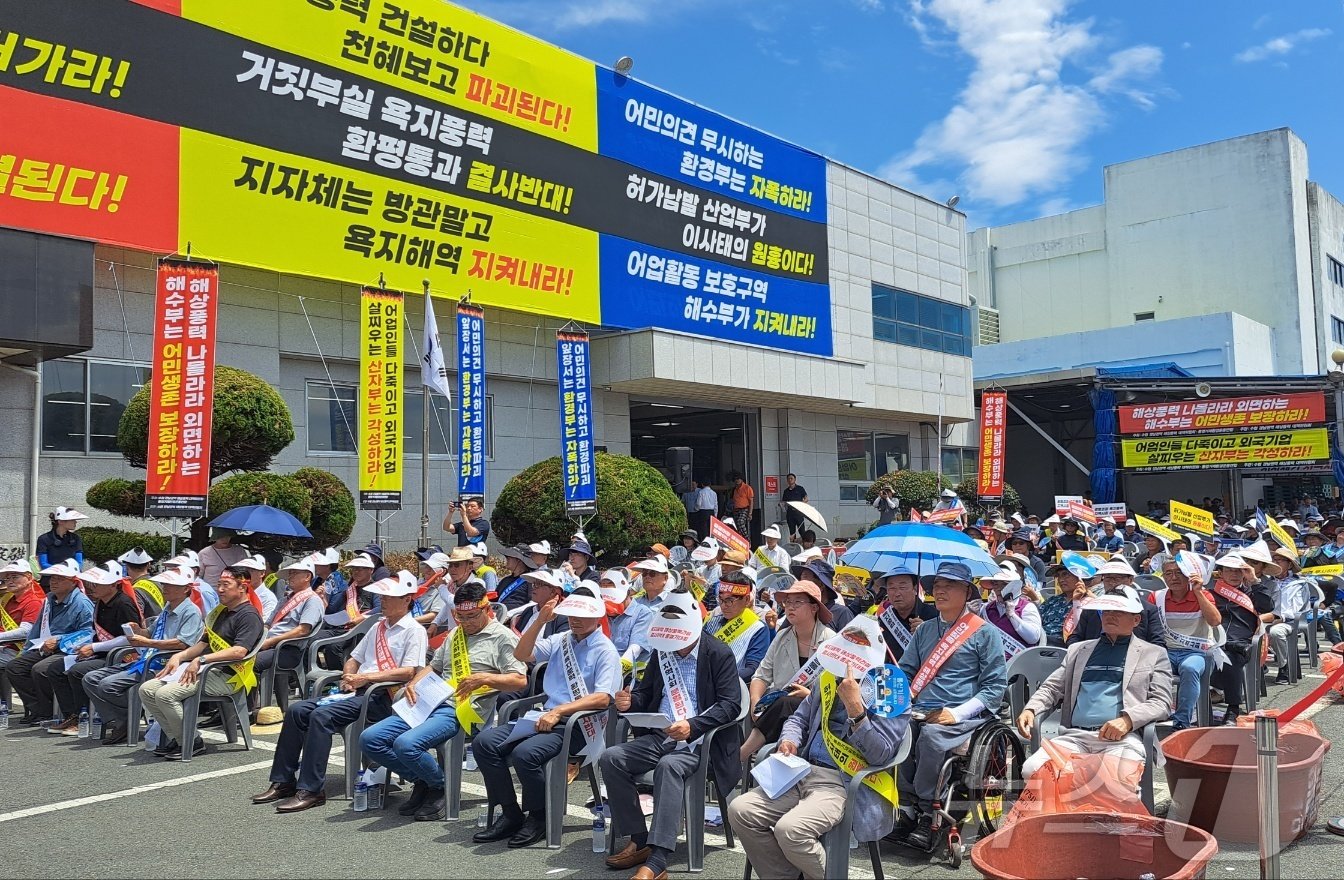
129, 792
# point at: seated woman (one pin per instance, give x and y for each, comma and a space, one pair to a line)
1016, 616
782, 673
1062, 612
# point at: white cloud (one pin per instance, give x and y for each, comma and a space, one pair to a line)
1281, 45
562, 15
1017, 128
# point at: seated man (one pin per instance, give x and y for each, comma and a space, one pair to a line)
737, 625
583, 671
1188, 616
629, 622
461, 567
1108, 688
256, 571
901, 609
115, 604
546, 585
232, 629
178, 626
957, 679
1062, 613
653, 576
390, 652
836, 734
21, 600
1294, 600
478, 661
433, 592
1240, 599
1118, 578
65, 623
293, 621
692, 681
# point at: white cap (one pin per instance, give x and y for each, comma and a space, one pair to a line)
580, 605
18, 566
656, 563
176, 576
135, 556
1232, 560
400, 584
187, 558
1116, 565
1289, 523
947, 493
69, 568
544, 576
542, 547
67, 514
1130, 522
304, 564
479, 549
99, 575
255, 562
771, 532
707, 551
360, 560
329, 556
437, 561
1115, 602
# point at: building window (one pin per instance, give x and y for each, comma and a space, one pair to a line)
332, 416
1337, 330
863, 456
920, 321
82, 403
960, 464
1336, 270
1144, 316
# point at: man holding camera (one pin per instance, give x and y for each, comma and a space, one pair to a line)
473, 527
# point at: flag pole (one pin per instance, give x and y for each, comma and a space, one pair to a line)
424, 450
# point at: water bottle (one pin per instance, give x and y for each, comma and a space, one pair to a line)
4, 716
480, 820
83, 723
361, 795
96, 728
599, 830
470, 762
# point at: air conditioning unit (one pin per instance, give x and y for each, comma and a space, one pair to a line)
986, 326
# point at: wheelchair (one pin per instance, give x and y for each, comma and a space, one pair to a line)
978, 784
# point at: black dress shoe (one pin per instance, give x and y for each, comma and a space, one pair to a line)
278, 791
114, 734
432, 808
166, 747
533, 829
415, 801
505, 827
197, 748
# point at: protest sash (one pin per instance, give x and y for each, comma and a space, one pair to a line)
146, 585
845, 756
765, 561
1071, 622
460, 661
1234, 596
243, 678
1188, 642
352, 603
7, 623
953, 639
296, 599
147, 654
892, 623
675, 683
594, 728
737, 633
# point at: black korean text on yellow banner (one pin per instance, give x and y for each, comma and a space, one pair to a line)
379, 424
1244, 450
1188, 517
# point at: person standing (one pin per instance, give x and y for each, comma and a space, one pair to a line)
887, 504
466, 519
706, 505
743, 503
62, 542
793, 518
220, 555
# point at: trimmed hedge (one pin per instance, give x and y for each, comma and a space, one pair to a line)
250, 425
102, 544
636, 507
921, 488
118, 496
333, 507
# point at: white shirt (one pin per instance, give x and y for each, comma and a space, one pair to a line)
268, 601
707, 499
779, 557
406, 638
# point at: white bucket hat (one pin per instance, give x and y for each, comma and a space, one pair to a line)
67, 514
771, 532
400, 584
69, 568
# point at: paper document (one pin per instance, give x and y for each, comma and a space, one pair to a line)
430, 693
648, 720
70, 660
340, 618
176, 675
779, 773
524, 727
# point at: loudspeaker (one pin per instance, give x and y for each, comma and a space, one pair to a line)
677, 465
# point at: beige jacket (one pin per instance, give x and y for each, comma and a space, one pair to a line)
1147, 688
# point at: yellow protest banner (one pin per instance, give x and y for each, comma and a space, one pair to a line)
1187, 516
1156, 529
1246, 449
1323, 571
1280, 535
379, 407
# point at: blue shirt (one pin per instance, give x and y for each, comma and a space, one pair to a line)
688, 674
70, 616
1111, 544
976, 670
632, 627
1099, 690
598, 662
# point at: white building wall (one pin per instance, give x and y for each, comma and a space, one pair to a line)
1327, 242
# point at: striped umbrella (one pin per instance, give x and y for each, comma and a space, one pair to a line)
919, 547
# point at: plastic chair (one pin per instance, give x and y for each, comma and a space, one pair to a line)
1304, 627
836, 840
1025, 673
1149, 733
557, 782
346, 640
1253, 685
1149, 583
233, 710
350, 734
266, 682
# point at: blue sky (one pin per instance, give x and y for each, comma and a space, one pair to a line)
1015, 105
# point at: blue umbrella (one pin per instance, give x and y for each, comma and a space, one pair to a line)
264, 519
919, 547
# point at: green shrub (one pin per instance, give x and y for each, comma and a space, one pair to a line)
102, 544
333, 509
277, 490
967, 492
250, 425
636, 507
913, 488
118, 496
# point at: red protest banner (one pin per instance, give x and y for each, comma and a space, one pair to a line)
993, 428
177, 478
1196, 416
727, 536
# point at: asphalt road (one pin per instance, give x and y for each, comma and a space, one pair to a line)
74, 809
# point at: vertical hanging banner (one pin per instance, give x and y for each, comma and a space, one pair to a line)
380, 359
574, 372
993, 427
471, 400
177, 467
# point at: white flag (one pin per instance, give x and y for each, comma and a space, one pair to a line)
433, 374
